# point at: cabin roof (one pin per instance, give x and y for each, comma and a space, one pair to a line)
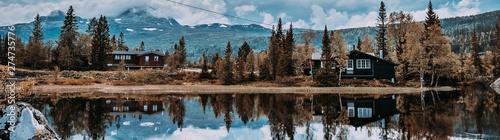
374, 57
152, 52
317, 56
138, 52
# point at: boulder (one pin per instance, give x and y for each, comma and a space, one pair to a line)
496, 84
29, 123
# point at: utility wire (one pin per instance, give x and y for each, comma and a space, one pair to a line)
236, 17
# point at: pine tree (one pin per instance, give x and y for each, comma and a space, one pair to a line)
92, 25
100, 45
204, 67
285, 62
476, 60
121, 42
38, 30
142, 46
398, 26
113, 43
243, 51
215, 64
67, 39
382, 29
182, 51
431, 18
496, 51
326, 75
226, 76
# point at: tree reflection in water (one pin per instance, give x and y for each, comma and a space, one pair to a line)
430, 115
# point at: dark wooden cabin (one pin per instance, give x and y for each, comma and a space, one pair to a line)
138, 59
362, 111
359, 65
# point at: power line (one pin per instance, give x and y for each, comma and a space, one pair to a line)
236, 17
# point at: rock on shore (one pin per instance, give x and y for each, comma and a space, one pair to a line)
29, 124
496, 84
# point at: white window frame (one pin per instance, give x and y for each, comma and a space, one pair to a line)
127, 57
364, 113
350, 109
145, 107
156, 58
122, 57
146, 59
155, 107
349, 61
117, 57
363, 64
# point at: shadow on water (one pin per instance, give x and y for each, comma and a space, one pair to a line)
468, 113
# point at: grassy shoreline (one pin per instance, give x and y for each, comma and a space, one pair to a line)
210, 89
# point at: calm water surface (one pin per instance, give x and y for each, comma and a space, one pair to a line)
469, 113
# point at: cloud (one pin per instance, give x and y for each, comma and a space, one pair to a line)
298, 24
268, 19
453, 9
332, 18
242, 10
21, 12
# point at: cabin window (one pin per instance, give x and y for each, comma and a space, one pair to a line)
350, 109
155, 107
156, 58
125, 108
123, 57
145, 107
349, 64
147, 59
363, 64
127, 57
117, 57
115, 108
364, 112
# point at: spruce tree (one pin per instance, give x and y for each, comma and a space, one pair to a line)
431, 18
182, 51
382, 29
326, 76
68, 38
204, 67
142, 46
92, 25
38, 30
476, 59
226, 76
215, 64
121, 42
496, 51
113, 43
273, 53
100, 45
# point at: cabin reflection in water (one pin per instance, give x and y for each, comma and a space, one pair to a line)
362, 111
132, 106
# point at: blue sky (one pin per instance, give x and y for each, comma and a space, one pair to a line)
337, 14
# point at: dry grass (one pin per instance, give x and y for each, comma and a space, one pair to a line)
73, 82
125, 83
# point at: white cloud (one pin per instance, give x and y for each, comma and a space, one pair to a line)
268, 19
298, 24
462, 8
333, 18
24, 12
242, 10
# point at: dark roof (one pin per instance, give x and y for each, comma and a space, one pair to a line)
374, 57
138, 52
152, 52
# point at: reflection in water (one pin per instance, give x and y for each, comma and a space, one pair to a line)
471, 113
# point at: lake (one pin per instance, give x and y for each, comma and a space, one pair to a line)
472, 113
